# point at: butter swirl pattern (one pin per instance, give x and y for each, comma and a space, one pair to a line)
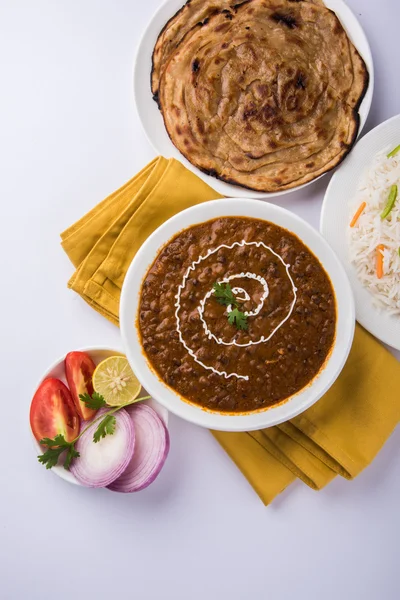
241, 295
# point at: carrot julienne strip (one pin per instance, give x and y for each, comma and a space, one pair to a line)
379, 260
358, 214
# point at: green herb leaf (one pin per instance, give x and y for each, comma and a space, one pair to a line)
59, 440
71, 454
238, 318
51, 456
224, 295
55, 447
106, 427
94, 402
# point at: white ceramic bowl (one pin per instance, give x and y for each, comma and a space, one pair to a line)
97, 354
130, 302
151, 117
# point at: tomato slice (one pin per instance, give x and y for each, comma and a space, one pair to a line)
79, 369
53, 411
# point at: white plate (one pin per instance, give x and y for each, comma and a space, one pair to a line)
56, 370
335, 220
130, 302
152, 120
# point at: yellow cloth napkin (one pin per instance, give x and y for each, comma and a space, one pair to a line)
103, 243
340, 434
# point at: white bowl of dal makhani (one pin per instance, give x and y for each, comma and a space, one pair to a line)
236, 315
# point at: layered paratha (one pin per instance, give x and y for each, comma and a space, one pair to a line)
264, 93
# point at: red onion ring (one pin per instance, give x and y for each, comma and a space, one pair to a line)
99, 464
151, 451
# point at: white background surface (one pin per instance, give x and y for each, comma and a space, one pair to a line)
68, 137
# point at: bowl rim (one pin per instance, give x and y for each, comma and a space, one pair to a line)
165, 395
58, 469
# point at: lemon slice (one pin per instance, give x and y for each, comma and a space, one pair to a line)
115, 381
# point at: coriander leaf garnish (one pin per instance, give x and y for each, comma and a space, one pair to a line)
94, 402
50, 457
224, 295
106, 427
59, 440
71, 454
55, 447
238, 318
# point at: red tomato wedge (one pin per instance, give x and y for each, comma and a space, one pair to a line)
79, 369
53, 411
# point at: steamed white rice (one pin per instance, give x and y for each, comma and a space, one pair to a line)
370, 231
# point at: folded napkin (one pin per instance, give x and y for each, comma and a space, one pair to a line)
340, 435
103, 243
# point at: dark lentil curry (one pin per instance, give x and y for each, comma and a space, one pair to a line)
276, 278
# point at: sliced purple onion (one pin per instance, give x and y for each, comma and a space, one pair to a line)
99, 464
151, 451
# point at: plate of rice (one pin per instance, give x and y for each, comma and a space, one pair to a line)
361, 221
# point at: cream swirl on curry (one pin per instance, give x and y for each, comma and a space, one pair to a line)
236, 290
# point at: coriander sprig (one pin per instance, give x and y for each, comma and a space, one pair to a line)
106, 427
238, 318
224, 295
107, 424
95, 401
55, 448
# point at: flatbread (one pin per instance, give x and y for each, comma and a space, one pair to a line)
187, 17
264, 94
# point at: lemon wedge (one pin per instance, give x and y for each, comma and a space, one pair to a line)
115, 381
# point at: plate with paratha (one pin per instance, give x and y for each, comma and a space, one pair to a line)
257, 97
